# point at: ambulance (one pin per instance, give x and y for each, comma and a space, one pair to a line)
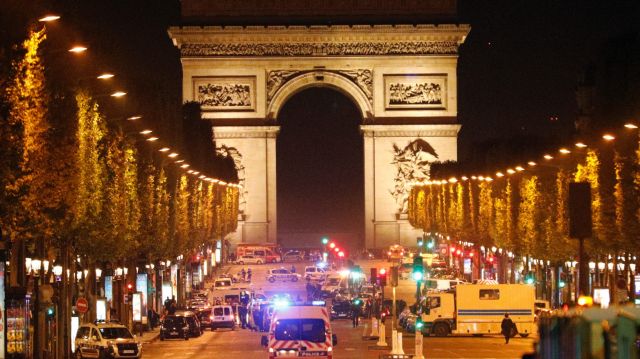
300, 331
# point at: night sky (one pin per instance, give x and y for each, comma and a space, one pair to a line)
518, 69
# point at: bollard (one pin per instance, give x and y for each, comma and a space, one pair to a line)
418, 353
394, 342
374, 327
400, 351
382, 340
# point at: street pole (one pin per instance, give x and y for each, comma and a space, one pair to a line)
583, 274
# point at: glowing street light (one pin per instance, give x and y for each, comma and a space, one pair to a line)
630, 125
105, 76
564, 151
118, 94
186, 165
78, 49
532, 164
548, 157
164, 149
608, 137
173, 154
49, 18
133, 118
151, 139
145, 132
580, 145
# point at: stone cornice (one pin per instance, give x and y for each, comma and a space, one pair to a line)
410, 130
245, 132
337, 40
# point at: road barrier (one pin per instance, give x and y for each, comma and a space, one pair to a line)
382, 340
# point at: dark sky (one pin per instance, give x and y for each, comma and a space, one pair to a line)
518, 67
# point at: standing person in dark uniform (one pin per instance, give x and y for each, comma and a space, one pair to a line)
355, 313
242, 312
506, 326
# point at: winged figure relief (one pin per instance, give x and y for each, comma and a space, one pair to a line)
413, 164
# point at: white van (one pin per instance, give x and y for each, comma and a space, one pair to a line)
441, 284
222, 317
314, 273
300, 331
222, 283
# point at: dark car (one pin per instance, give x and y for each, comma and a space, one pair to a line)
204, 317
341, 309
192, 322
174, 326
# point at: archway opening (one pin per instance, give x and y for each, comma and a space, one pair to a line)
320, 170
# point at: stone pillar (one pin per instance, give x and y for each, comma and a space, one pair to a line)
253, 149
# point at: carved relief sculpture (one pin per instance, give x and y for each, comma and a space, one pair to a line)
413, 165
363, 78
415, 91
232, 152
225, 93
321, 49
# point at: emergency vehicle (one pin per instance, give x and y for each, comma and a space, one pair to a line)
300, 331
271, 253
479, 309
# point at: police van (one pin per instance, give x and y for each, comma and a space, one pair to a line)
300, 331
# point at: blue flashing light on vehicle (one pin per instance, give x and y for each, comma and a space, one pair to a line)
318, 303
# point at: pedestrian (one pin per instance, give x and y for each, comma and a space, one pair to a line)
173, 307
243, 274
242, 313
249, 275
355, 313
293, 268
507, 327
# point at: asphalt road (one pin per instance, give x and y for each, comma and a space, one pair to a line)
245, 344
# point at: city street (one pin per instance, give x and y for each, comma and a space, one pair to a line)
245, 344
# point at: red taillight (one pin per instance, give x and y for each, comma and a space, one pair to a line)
211, 317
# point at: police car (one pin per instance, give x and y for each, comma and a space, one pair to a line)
106, 340
281, 274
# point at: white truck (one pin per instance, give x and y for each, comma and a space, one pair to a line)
479, 309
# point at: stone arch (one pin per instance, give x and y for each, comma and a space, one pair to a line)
320, 79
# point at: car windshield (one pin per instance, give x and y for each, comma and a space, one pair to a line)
115, 333
217, 311
173, 321
301, 329
223, 283
333, 281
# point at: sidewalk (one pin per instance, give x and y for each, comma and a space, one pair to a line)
150, 336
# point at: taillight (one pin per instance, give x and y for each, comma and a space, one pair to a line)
211, 317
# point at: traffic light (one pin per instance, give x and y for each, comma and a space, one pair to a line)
529, 278
394, 276
130, 292
382, 275
325, 240
374, 276
418, 268
419, 324
51, 311
420, 242
430, 244
357, 301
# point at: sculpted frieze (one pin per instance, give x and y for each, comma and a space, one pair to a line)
321, 49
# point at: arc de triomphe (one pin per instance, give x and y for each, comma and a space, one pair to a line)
402, 79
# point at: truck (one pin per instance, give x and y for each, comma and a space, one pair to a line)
478, 309
270, 252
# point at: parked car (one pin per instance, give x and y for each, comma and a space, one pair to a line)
174, 326
249, 259
204, 317
192, 322
106, 340
341, 309
222, 283
314, 273
281, 274
293, 256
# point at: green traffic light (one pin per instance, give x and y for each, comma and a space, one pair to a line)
50, 311
417, 275
356, 302
419, 324
325, 240
420, 244
562, 284
430, 244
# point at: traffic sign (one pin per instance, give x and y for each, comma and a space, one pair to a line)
82, 306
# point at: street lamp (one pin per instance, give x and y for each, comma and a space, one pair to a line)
78, 49
49, 18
